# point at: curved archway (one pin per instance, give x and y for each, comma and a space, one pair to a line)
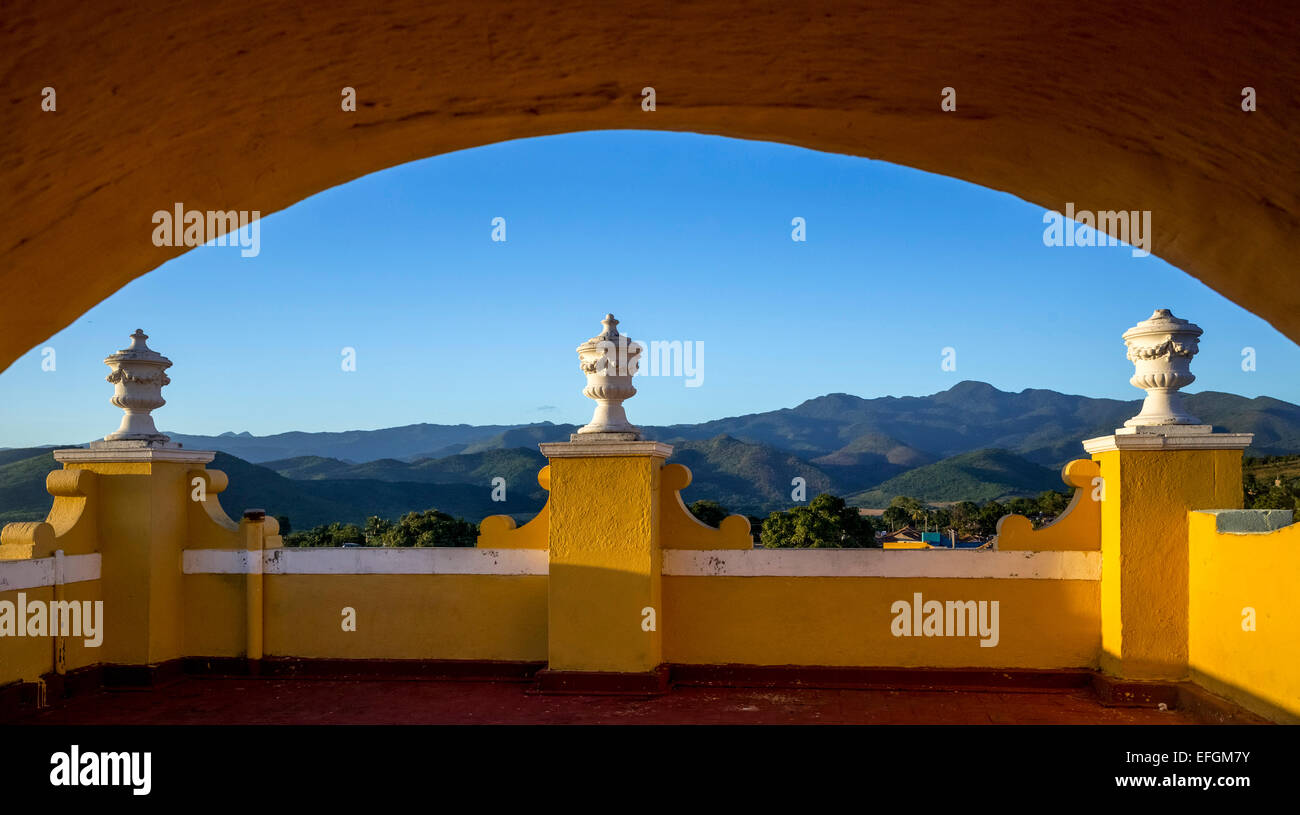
238, 107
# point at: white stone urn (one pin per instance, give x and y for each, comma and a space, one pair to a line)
1161, 350
609, 360
138, 378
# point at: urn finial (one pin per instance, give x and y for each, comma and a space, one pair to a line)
1161, 348
137, 375
609, 360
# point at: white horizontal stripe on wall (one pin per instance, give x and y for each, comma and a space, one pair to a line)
676, 562
367, 560
881, 563
37, 572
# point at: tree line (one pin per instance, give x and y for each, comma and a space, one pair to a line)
827, 522
428, 528
1281, 491
824, 522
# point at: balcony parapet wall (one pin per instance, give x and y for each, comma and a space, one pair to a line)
615, 576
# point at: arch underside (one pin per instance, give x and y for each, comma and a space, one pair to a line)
237, 106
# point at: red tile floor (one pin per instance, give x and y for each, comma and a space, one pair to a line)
195, 700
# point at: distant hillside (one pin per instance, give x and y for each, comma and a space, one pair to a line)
311, 502
1276, 424
876, 448
742, 477
1041, 425
307, 502
22, 483
981, 475
528, 436
970, 442
863, 438
870, 459
351, 445
518, 466
1266, 471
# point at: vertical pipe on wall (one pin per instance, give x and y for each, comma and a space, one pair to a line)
255, 540
60, 642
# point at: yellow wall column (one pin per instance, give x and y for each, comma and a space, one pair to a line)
254, 602
1152, 477
605, 612
142, 521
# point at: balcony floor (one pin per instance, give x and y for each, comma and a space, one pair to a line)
206, 700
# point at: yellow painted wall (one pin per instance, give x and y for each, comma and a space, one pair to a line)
1144, 551
76, 653
140, 517
169, 523
214, 615
142, 524
845, 621
1112, 632
1258, 669
705, 620
488, 617
28, 658
123, 531
604, 563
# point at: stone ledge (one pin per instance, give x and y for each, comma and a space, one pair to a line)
603, 448
1248, 521
1164, 430
604, 437
1151, 439
82, 455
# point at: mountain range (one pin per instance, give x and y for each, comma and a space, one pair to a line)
970, 442
1043, 426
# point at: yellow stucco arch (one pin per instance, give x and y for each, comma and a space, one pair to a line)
237, 105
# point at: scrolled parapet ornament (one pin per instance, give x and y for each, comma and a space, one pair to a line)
1161, 348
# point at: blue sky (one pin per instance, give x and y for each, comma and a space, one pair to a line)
684, 237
